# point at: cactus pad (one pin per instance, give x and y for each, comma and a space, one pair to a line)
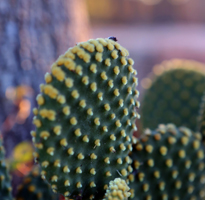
168, 164
201, 119
173, 94
117, 190
5, 183
85, 119
35, 188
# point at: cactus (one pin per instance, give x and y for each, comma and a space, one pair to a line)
168, 163
173, 94
5, 182
201, 119
85, 119
35, 188
117, 190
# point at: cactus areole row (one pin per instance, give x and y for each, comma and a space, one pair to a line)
5, 181
34, 188
85, 119
173, 94
168, 163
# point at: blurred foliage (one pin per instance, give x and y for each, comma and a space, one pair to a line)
21, 160
23, 152
17, 93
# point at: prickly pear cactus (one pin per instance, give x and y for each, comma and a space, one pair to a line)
168, 164
5, 182
35, 188
201, 118
85, 119
117, 190
173, 94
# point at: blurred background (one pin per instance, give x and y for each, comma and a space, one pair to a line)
152, 30
34, 33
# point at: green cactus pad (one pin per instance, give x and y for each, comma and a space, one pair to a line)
117, 190
5, 182
35, 188
85, 119
168, 163
201, 119
173, 93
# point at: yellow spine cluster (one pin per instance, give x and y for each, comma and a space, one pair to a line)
117, 190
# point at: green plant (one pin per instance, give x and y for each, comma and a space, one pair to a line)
173, 93
34, 188
85, 119
168, 163
201, 118
5, 184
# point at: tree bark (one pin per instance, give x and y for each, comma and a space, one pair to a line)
33, 33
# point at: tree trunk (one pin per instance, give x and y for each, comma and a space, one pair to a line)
33, 33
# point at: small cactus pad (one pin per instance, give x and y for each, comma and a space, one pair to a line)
201, 119
35, 188
5, 183
168, 163
85, 119
173, 93
117, 190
